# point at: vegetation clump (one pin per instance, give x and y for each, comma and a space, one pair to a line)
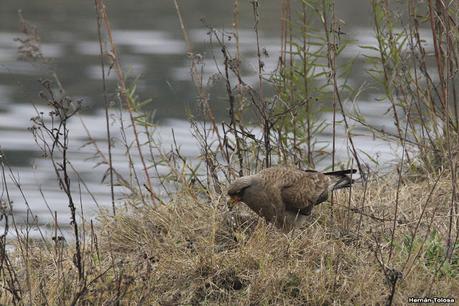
197, 251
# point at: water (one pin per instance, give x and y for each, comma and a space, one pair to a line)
152, 48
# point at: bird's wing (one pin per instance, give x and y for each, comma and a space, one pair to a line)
302, 190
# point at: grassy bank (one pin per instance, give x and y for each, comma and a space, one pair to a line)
196, 251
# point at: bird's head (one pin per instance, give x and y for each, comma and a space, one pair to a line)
237, 189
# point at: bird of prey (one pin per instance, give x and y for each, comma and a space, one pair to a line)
284, 195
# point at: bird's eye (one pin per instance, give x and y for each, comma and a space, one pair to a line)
233, 193
241, 192
238, 193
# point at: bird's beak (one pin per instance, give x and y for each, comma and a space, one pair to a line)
233, 201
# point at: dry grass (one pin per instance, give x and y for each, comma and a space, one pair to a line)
196, 251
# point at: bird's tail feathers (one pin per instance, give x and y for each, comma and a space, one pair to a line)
341, 179
342, 182
341, 172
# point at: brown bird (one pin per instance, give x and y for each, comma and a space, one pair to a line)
284, 195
